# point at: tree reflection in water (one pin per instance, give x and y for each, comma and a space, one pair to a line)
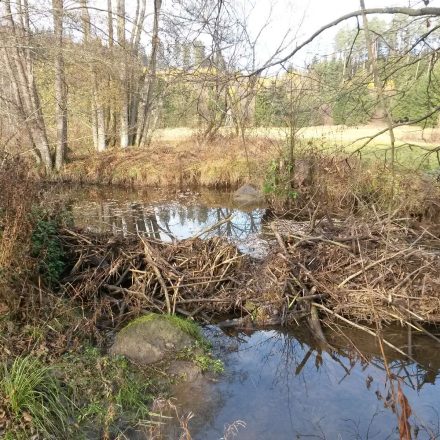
166, 221
285, 385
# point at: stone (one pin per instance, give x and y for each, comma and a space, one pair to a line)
150, 339
248, 194
184, 370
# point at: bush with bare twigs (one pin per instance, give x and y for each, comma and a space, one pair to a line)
17, 196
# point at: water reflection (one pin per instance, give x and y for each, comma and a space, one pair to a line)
166, 217
284, 386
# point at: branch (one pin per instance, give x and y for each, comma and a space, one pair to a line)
392, 10
412, 122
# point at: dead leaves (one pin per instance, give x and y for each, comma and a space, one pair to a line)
4, 309
405, 414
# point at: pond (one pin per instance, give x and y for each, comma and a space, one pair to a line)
282, 384
168, 215
278, 383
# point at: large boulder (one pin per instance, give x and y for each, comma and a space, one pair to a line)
151, 338
248, 194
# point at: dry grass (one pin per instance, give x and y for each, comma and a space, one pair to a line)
17, 195
178, 158
18, 191
337, 134
188, 163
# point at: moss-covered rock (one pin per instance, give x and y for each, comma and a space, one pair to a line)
150, 338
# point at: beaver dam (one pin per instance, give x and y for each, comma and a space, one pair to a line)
360, 271
293, 309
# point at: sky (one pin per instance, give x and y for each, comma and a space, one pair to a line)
303, 18
285, 23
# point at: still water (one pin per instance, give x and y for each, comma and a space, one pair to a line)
281, 384
168, 215
277, 384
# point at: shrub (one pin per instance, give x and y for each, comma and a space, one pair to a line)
47, 247
18, 193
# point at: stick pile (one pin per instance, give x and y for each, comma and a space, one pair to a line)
366, 271
196, 278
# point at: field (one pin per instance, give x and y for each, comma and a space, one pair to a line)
413, 143
177, 156
332, 133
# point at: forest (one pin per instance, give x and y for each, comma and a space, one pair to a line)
86, 77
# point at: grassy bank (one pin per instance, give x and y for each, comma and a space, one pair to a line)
56, 379
177, 158
221, 164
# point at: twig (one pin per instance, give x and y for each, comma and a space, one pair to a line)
150, 260
210, 228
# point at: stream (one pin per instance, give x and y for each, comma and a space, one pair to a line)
278, 383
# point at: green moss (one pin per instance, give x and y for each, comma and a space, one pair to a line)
189, 327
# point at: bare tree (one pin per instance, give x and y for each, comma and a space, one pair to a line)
97, 111
124, 116
18, 60
149, 82
60, 84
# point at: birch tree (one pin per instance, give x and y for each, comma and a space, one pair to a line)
149, 82
123, 58
18, 61
97, 110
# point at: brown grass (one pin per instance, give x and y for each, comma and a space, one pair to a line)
332, 134
223, 163
18, 193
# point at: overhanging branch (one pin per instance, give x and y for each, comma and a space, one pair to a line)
423, 12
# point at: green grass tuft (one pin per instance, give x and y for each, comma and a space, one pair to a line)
207, 363
34, 395
106, 389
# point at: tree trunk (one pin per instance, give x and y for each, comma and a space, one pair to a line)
123, 135
110, 23
60, 85
383, 106
149, 81
97, 118
20, 67
100, 126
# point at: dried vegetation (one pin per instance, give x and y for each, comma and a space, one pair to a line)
124, 278
362, 240
365, 270
222, 163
